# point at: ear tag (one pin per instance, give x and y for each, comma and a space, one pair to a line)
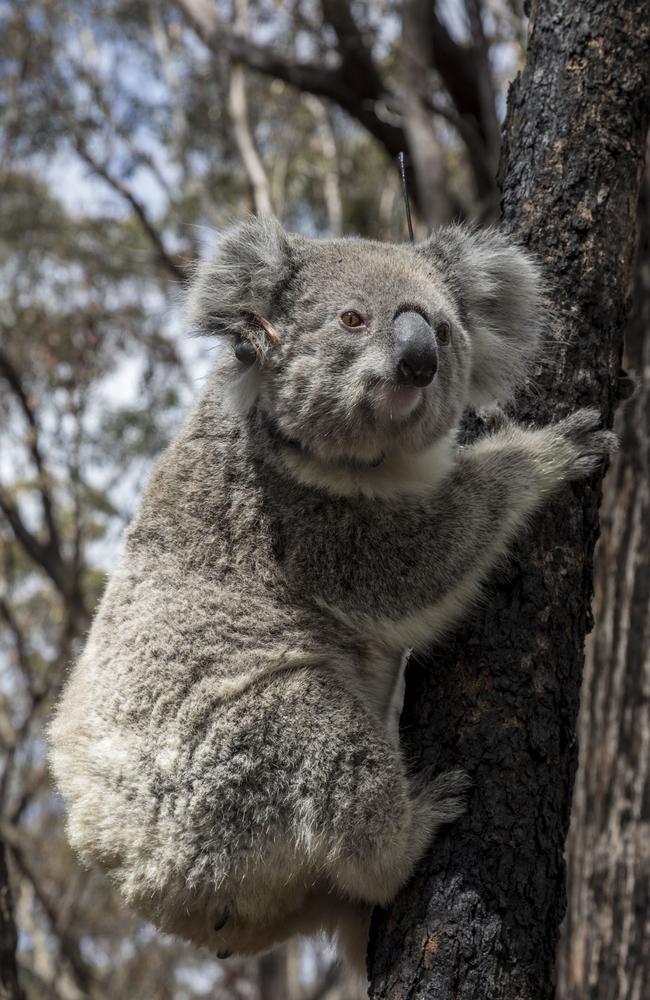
255, 347
268, 329
245, 352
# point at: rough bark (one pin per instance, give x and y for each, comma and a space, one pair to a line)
480, 919
604, 951
9, 988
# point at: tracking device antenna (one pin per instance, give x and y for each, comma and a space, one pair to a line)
401, 159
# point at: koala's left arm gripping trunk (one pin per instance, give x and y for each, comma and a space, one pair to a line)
400, 555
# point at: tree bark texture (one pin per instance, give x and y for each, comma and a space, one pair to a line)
480, 919
9, 988
604, 951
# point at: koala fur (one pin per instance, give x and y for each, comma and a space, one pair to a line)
228, 742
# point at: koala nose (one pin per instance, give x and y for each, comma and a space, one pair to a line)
414, 350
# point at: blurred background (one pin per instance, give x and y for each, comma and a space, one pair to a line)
132, 132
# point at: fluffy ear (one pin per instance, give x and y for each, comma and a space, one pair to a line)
253, 261
500, 293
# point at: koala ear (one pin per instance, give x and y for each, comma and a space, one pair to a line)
240, 282
500, 294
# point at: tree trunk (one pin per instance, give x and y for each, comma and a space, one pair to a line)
604, 948
9, 988
480, 919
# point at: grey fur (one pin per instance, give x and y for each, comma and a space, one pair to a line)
228, 742
499, 291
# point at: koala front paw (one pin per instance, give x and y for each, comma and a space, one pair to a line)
589, 444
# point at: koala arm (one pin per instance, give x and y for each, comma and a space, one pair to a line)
398, 557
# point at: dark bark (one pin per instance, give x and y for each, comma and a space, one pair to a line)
480, 919
9, 988
604, 951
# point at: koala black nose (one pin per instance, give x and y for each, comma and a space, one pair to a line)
414, 350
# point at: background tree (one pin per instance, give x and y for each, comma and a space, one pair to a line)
603, 952
131, 129
9, 987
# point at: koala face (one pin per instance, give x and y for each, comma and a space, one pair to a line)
372, 353
374, 347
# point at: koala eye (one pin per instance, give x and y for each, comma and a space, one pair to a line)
352, 319
443, 333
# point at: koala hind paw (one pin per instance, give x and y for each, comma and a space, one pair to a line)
445, 796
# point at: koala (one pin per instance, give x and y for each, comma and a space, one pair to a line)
228, 742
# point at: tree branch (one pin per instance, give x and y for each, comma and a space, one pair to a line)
238, 109
101, 169
425, 149
364, 104
358, 69
456, 64
485, 87
10, 373
83, 974
44, 556
327, 163
9, 986
124, 135
20, 643
19, 736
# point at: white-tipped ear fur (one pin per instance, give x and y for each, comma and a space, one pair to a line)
240, 282
500, 293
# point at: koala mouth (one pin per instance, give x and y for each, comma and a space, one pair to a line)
397, 402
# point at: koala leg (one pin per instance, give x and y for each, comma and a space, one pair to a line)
358, 818
381, 849
327, 809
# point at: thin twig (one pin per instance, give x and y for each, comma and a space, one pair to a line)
102, 170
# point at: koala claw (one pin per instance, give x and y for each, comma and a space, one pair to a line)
581, 423
591, 443
224, 954
222, 920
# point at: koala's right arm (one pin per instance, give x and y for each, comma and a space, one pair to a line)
390, 559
